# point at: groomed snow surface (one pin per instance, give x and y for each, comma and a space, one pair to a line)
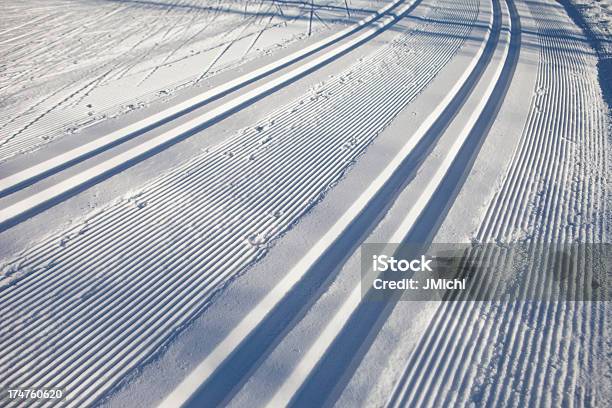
185, 186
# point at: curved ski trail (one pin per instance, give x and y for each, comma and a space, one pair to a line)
166, 268
531, 353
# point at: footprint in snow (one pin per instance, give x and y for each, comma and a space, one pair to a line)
261, 128
265, 140
540, 91
276, 214
9, 270
63, 242
257, 240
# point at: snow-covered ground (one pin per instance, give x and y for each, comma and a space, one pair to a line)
597, 17
185, 187
67, 65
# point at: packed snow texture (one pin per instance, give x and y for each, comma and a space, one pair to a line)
96, 304
69, 65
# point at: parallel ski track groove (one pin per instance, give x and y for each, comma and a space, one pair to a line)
357, 327
556, 171
89, 319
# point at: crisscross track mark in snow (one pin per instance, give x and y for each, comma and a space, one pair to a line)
532, 353
322, 53
46, 83
128, 278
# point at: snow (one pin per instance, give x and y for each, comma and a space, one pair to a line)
70, 66
595, 18
182, 209
597, 15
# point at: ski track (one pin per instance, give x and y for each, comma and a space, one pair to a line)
45, 83
208, 117
531, 353
71, 323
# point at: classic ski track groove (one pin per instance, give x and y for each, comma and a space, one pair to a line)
565, 126
304, 370
88, 345
249, 323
